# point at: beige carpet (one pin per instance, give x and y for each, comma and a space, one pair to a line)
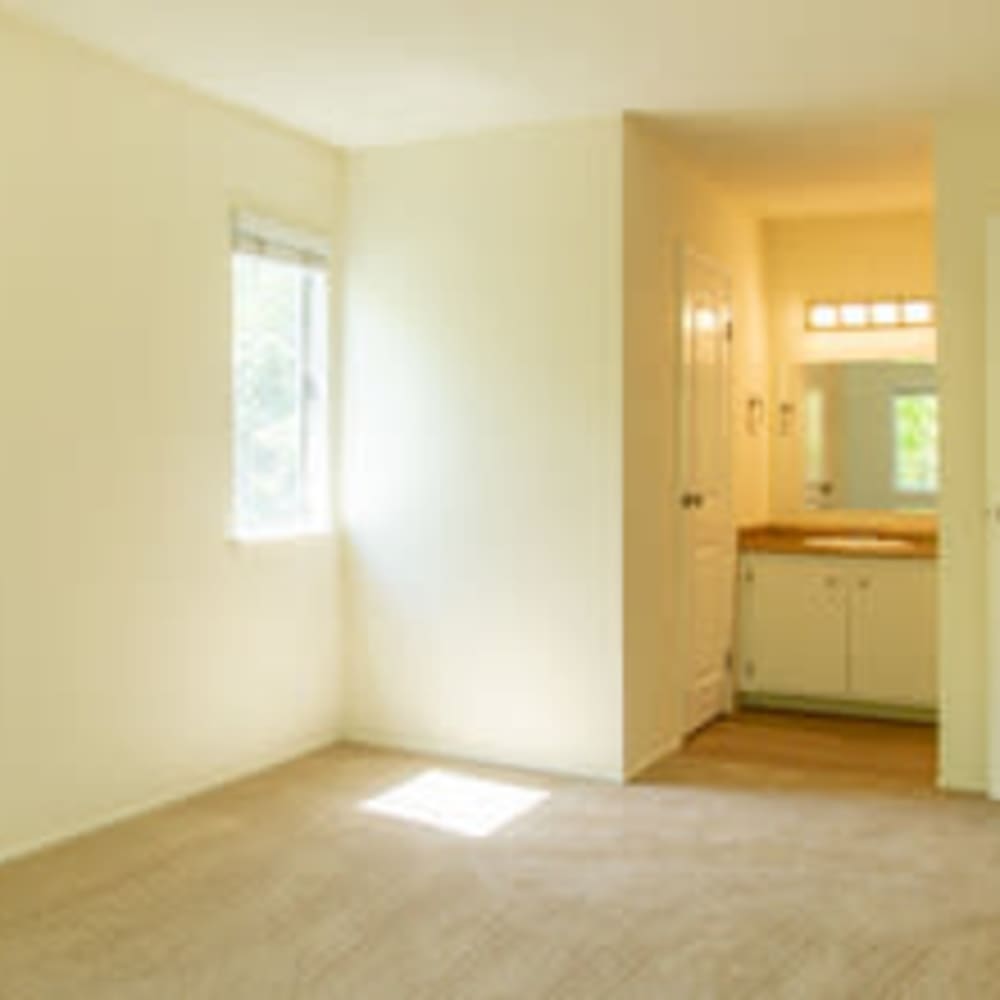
723, 877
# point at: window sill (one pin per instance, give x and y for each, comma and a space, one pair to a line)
295, 536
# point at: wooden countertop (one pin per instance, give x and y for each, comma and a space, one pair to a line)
841, 541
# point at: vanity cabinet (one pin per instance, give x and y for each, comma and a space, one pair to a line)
824, 627
892, 634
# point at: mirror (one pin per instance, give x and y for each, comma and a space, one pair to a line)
869, 434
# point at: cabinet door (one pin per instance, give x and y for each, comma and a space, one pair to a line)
893, 631
795, 631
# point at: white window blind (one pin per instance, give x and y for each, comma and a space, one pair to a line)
255, 234
279, 370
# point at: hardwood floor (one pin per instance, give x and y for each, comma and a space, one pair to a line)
783, 748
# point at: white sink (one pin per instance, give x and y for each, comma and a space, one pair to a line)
857, 543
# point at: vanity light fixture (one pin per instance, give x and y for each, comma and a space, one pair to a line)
884, 314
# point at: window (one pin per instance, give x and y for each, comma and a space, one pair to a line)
280, 442
915, 442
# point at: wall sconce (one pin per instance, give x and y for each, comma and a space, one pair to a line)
755, 413
786, 418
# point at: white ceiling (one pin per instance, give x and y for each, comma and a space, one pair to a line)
359, 72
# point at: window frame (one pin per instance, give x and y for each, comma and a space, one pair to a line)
255, 237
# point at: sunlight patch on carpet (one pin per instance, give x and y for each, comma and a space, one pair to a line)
472, 807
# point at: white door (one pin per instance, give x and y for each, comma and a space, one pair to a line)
706, 536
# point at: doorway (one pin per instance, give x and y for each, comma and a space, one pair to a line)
799, 353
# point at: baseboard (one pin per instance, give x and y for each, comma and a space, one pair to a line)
962, 784
839, 707
964, 788
364, 736
164, 799
664, 749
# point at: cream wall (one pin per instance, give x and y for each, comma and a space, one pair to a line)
482, 481
968, 192
837, 257
667, 204
141, 655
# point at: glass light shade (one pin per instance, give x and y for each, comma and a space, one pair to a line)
918, 312
822, 316
854, 314
886, 313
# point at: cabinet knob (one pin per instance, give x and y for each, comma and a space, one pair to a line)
832, 582
864, 584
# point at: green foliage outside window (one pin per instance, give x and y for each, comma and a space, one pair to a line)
915, 425
268, 304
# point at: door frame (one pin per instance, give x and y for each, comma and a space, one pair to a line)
992, 503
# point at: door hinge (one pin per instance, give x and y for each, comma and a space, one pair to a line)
729, 661
729, 331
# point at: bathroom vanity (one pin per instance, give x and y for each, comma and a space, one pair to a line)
838, 620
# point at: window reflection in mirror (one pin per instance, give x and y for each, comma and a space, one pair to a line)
870, 435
